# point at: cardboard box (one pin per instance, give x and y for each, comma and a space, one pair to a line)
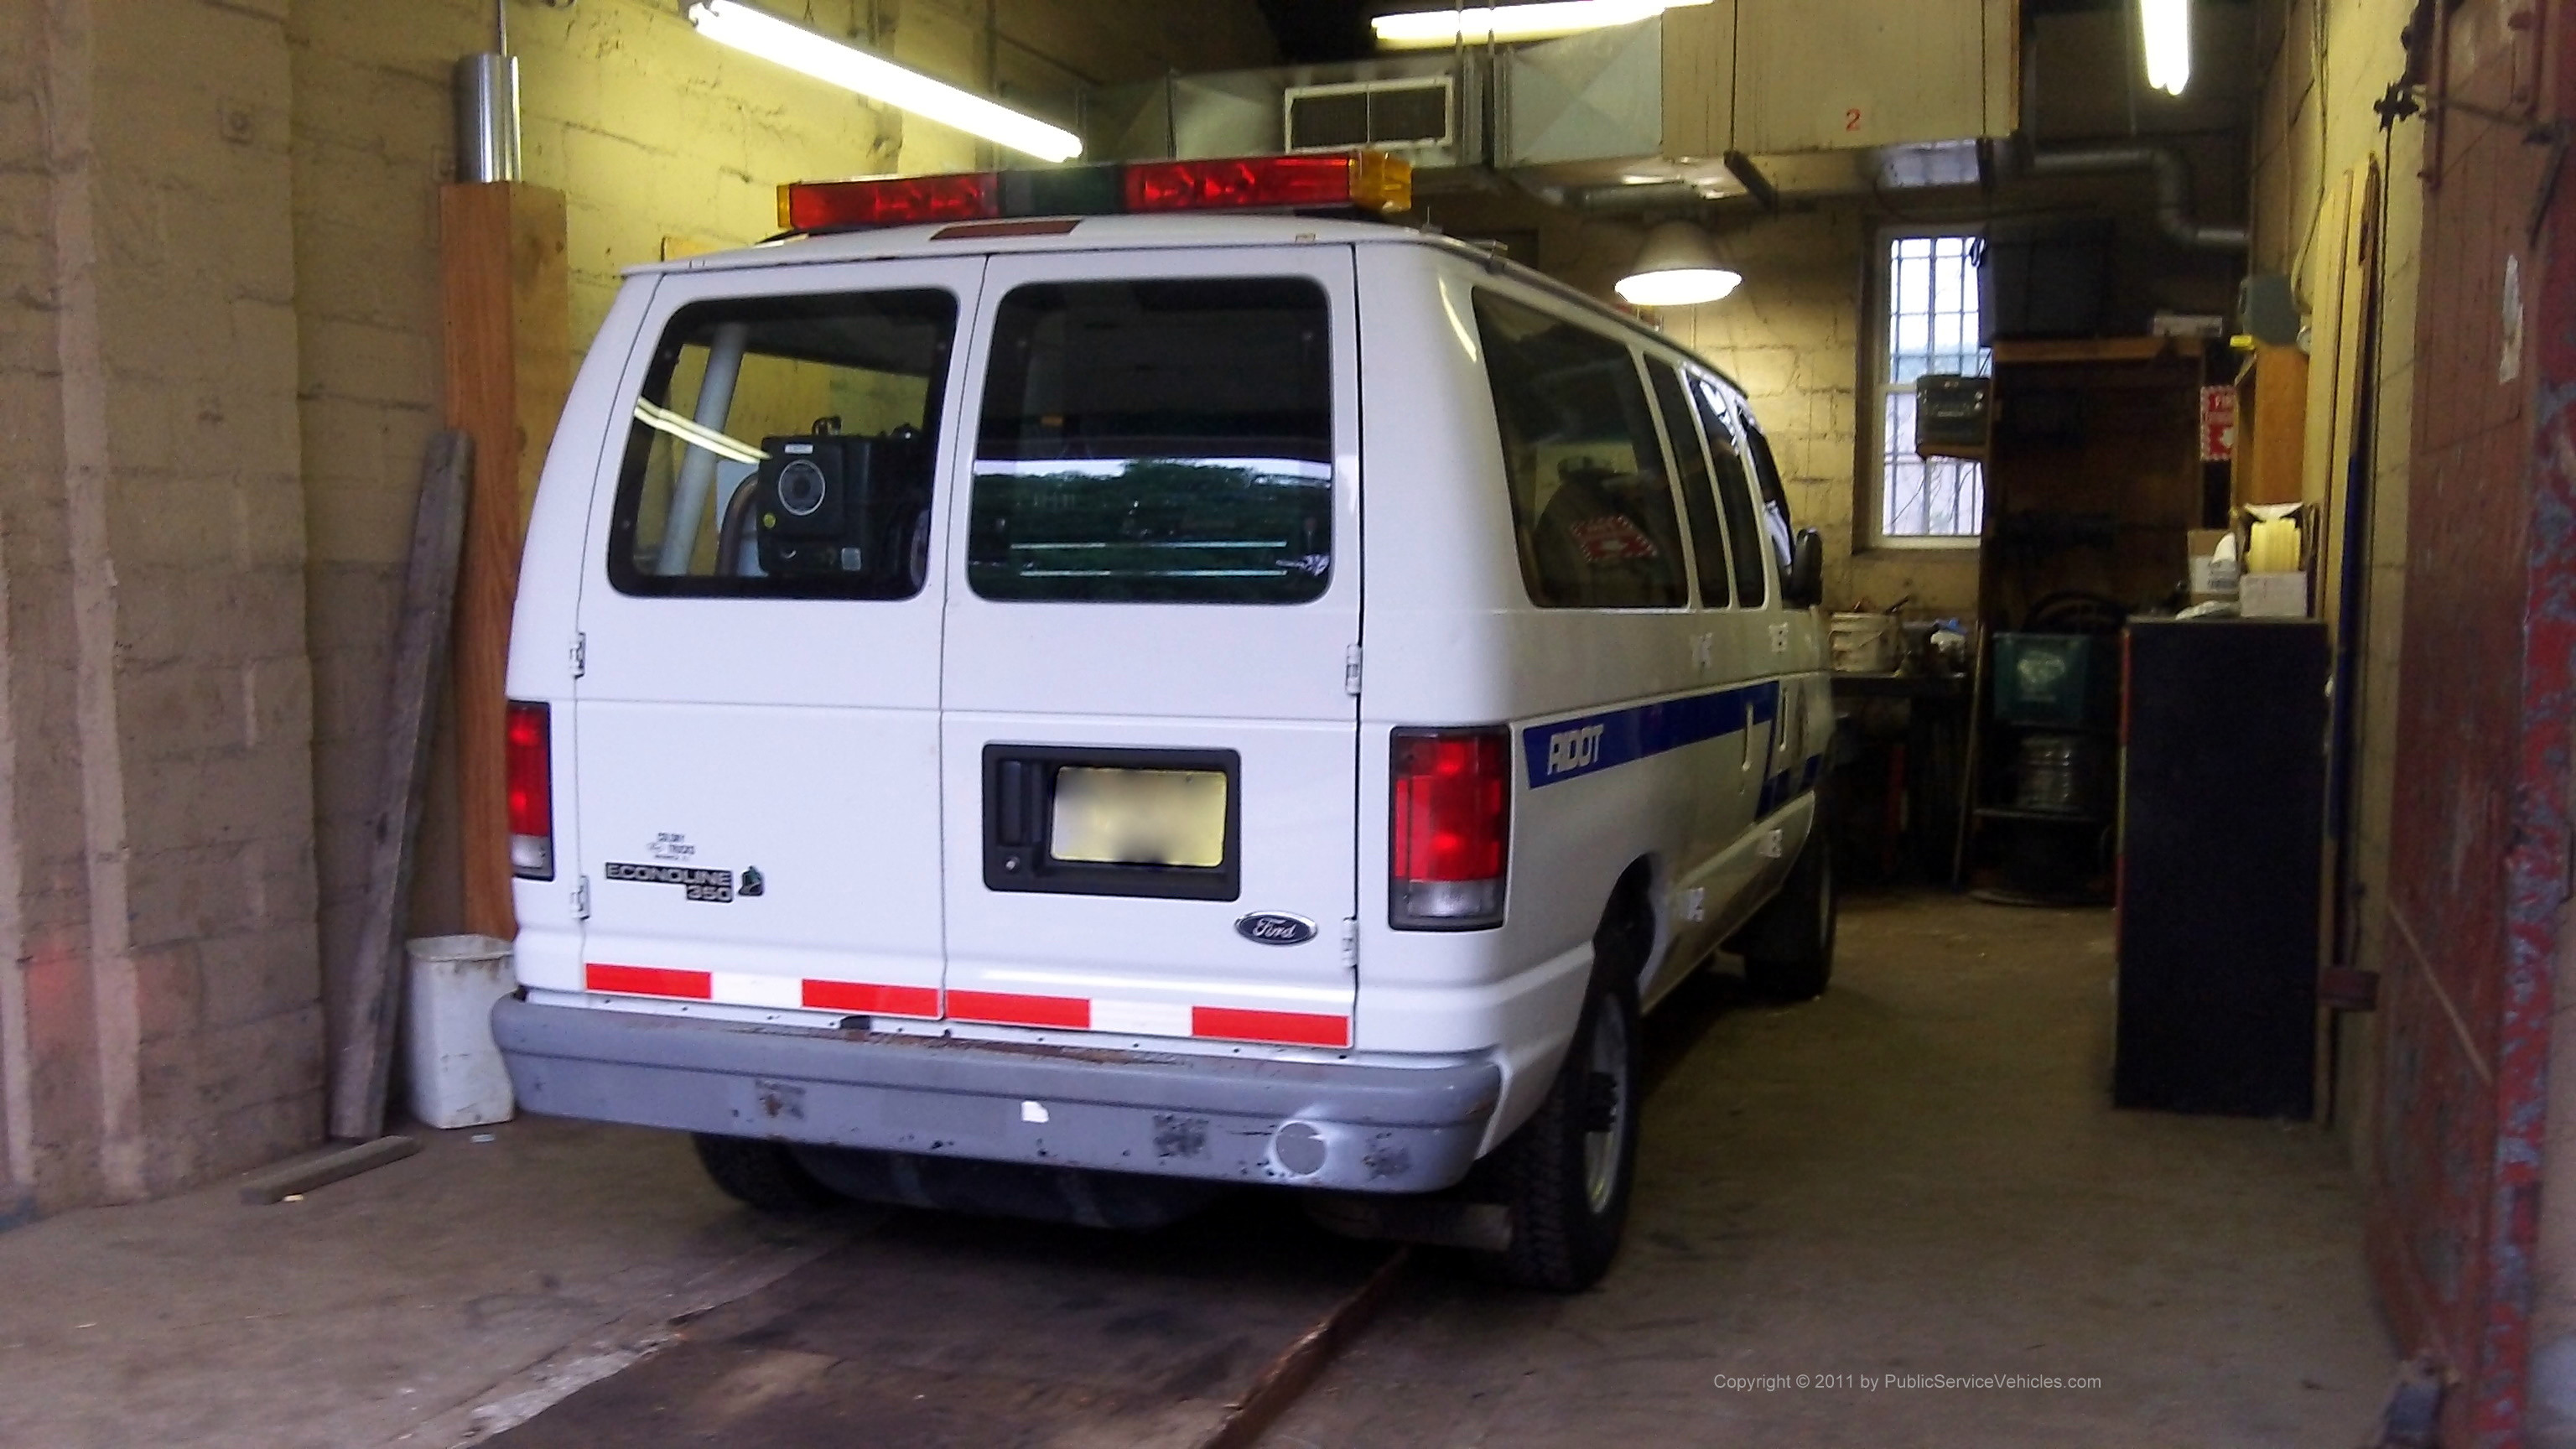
2279, 595
2210, 560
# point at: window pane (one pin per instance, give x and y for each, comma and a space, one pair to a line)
784, 447
1590, 502
1156, 442
1775, 499
1708, 539
1932, 327
1734, 495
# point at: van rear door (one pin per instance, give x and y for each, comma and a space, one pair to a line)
1150, 712
756, 739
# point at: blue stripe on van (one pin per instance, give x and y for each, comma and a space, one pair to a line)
1569, 749
1786, 786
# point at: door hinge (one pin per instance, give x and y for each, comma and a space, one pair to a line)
581, 898
1351, 671
580, 654
1350, 941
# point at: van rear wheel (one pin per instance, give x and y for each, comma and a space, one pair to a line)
1565, 1176
1789, 945
764, 1175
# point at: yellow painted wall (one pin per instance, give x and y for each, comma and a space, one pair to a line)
2324, 62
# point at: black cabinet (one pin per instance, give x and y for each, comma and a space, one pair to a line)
2221, 853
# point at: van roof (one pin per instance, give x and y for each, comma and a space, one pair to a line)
1133, 233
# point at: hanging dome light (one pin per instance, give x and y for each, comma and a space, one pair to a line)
1677, 267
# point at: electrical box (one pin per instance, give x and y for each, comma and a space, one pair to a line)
1952, 415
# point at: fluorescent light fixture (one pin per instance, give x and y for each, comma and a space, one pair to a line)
723, 445
1677, 267
1416, 29
825, 59
2165, 27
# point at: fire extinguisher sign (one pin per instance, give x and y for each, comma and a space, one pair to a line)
2217, 424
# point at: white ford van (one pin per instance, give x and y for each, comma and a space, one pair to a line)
1107, 704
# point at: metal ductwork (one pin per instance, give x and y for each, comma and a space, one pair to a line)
2173, 189
1795, 97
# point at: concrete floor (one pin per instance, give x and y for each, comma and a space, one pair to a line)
1916, 1175
417, 1304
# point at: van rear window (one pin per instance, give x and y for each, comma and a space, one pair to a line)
1591, 504
783, 447
1156, 442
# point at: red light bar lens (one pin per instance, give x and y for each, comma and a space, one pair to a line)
901, 201
1253, 181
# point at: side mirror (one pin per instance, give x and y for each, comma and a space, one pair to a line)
1804, 588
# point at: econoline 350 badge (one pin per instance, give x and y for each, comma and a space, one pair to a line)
697, 883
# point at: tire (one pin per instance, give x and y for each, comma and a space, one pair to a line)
1788, 946
1566, 1175
764, 1175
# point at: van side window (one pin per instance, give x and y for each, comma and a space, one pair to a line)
1708, 543
1775, 502
1734, 495
1591, 505
783, 447
1156, 442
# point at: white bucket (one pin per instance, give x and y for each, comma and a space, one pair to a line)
457, 1079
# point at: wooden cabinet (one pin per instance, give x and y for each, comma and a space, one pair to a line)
2271, 426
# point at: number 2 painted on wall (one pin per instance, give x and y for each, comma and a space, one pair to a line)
1851, 119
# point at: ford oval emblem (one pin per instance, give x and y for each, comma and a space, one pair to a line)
1275, 928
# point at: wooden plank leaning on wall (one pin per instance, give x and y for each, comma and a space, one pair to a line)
507, 302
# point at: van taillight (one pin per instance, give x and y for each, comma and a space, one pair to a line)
1452, 796
532, 792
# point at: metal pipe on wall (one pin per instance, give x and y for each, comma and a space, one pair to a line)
487, 118
487, 108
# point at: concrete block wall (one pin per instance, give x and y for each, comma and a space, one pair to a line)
219, 362
1793, 335
157, 879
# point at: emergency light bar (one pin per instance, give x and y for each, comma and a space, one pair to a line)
1359, 180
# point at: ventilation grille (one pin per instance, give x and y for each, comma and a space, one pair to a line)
1392, 115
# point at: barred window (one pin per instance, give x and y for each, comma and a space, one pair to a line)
1932, 326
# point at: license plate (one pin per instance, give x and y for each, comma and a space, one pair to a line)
1139, 817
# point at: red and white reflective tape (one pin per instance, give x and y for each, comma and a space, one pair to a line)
998, 1008
1151, 1018
740, 988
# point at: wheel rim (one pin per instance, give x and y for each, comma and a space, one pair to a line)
1605, 1107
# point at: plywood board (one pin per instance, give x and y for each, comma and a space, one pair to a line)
508, 311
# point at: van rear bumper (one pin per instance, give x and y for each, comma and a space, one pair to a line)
1302, 1124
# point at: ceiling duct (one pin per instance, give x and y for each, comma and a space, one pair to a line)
2173, 189
1818, 96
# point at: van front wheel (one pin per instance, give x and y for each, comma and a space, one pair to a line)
1565, 1176
764, 1175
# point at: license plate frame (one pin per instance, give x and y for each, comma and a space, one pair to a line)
1021, 818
